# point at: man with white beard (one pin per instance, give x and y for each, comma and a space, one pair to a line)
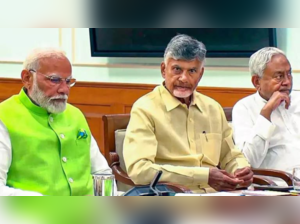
46, 146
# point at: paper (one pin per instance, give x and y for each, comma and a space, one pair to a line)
212, 194
265, 193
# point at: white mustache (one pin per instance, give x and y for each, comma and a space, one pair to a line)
61, 97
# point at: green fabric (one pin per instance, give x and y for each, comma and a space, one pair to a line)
40, 141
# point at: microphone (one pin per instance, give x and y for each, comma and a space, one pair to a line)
154, 183
153, 189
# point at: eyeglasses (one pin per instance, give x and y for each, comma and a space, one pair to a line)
58, 80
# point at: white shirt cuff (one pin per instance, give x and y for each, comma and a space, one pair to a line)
264, 128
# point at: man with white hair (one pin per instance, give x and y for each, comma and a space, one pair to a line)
46, 146
182, 132
266, 124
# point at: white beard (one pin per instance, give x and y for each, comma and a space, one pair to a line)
180, 94
47, 102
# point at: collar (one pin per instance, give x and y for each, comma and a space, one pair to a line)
259, 98
172, 102
26, 101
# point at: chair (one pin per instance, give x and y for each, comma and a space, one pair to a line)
260, 175
116, 125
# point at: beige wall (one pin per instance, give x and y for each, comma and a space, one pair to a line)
16, 43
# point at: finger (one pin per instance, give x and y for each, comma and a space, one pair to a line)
287, 103
247, 183
287, 100
227, 174
242, 172
232, 181
230, 186
246, 177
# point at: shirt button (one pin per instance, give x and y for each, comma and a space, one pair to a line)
191, 120
51, 119
64, 159
62, 136
71, 180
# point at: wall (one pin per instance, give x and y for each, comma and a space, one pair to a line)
16, 43
104, 83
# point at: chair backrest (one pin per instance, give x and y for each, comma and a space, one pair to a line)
114, 134
228, 113
112, 123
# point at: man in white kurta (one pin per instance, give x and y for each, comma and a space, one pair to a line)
266, 124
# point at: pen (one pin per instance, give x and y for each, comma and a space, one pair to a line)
204, 132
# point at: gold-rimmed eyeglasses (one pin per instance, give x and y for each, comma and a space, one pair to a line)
57, 80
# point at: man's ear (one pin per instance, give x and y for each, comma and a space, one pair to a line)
27, 79
163, 69
201, 73
256, 81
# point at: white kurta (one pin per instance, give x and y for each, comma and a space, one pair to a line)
272, 145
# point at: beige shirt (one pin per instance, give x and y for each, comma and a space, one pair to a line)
164, 134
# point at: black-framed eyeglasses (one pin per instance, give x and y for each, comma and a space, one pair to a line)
57, 80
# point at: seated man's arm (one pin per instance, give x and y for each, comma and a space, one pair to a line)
140, 150
98, 162
5, 161
251, 138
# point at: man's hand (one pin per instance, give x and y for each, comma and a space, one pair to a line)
220, 180
276, 99
246, 175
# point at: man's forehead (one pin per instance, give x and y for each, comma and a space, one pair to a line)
279, 59
54, 61
186, 63
279, 62
55, 65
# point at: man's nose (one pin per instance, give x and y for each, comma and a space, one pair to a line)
64, 88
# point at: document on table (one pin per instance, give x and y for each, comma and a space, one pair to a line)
212, 194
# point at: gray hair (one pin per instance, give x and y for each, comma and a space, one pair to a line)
34, 57
259, 60
186, 48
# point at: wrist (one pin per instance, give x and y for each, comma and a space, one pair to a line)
266, 112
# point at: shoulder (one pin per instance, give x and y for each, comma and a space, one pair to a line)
245, 102
149, 101
7, 105
206, 99
7, 102
206, 102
